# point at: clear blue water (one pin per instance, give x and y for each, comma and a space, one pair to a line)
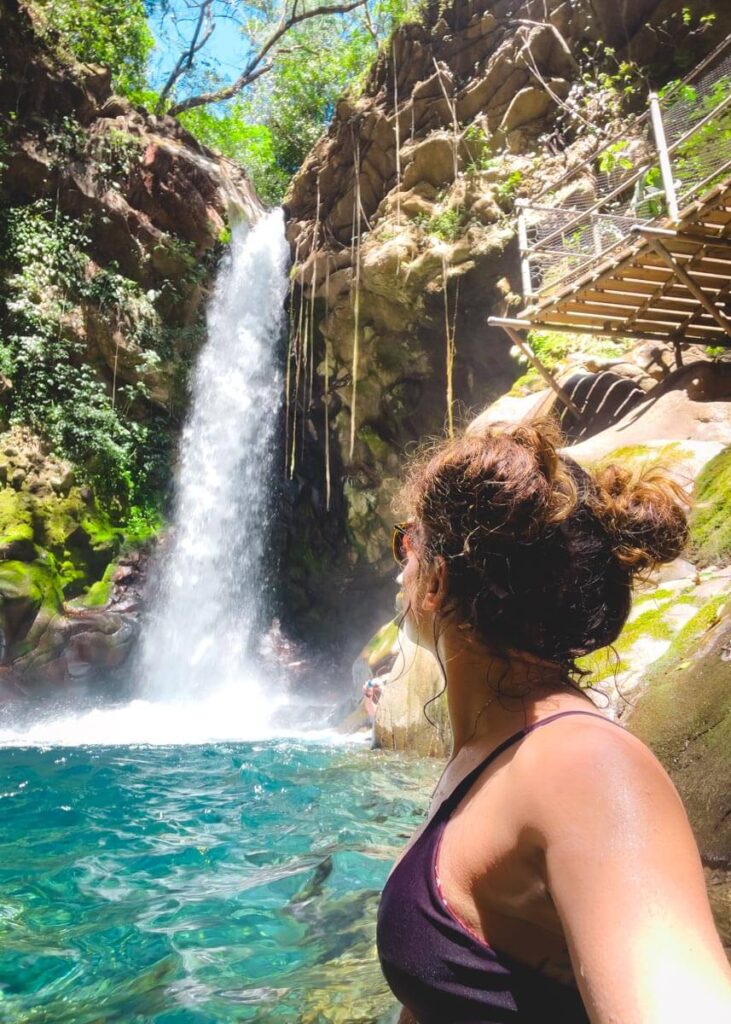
188, 885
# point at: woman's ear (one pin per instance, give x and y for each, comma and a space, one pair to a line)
435, 595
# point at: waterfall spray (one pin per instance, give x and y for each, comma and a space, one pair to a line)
196, 682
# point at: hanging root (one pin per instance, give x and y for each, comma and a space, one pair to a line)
313, 285
397, 132
326, 399
450, 330
290, 344
356, 300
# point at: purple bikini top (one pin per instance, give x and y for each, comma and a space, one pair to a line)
435, 965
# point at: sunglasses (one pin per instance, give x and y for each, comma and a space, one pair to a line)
400, 544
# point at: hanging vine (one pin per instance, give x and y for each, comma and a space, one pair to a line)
326, 400
397, 132
313, 288
450, 331
452, 108
356, 297
298, 375
290, 344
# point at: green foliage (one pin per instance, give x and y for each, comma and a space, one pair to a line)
55, 390
554, 348
614, 157
710, 519
229, 130
604, 71
445, 225
481, 158
115, 153
66, 140
276, 123
510, 185
105, 32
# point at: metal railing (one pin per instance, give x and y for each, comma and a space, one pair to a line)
678, 150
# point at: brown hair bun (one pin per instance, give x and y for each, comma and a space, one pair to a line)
540, 554
644, 511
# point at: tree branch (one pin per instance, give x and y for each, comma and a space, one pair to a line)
257, 65
185, 60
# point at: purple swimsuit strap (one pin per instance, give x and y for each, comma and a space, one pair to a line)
462, 788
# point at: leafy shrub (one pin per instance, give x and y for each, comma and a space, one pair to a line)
55, 390
105, 32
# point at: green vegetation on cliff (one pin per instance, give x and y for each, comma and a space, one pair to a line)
710, 520
50, 384
270, 126
115, 35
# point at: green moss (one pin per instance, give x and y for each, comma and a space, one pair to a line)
636, 456
649, 624
684, 715
378, 448
381, 643
553, 349
76, 540
98, 594
56, 518
710, 519
686, 638
16, 521
30, 583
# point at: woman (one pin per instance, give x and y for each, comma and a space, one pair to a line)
556, 879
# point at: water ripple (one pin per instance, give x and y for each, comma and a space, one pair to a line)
187, 885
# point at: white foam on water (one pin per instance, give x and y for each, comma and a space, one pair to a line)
231, 713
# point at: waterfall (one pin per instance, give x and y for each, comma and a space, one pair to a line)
194, 680
210, 584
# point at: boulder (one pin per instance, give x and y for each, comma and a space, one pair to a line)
683, 712
412, 691
530, 104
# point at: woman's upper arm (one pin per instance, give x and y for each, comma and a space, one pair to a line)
623, 870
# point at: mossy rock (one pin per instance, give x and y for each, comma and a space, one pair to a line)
16, 526
27, 590
647, 622
381, 644
710, 519
412, 713
684, 715
645, 456
98, 594
79, 537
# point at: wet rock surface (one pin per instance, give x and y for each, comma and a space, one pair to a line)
402, 231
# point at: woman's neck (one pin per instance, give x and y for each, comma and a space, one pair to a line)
491, 695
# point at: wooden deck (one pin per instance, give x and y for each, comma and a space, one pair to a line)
668, 283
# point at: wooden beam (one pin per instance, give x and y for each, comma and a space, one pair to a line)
692, 287
547, 376
667, 235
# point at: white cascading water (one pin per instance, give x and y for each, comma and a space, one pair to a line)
199, 629
196, 683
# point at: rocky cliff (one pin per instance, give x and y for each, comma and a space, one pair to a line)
112, 222
402, 233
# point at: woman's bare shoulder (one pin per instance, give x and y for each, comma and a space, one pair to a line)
589, 762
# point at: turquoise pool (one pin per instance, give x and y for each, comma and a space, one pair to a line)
198, 884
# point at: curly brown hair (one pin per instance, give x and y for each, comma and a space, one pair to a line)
540, 554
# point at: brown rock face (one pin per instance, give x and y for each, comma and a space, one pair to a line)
401, 229
152, 200
151, 207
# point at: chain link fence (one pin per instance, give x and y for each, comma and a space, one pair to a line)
589, 212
